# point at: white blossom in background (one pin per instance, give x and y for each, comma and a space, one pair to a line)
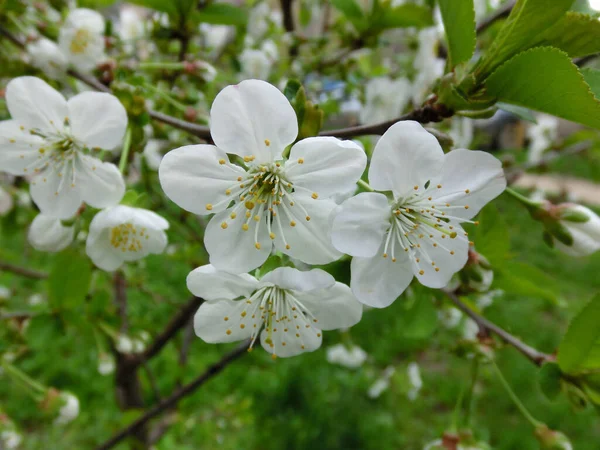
260, 19
131, 25
255, 63
10, 439
124, 344
53, 141
269, 202
153, 152
36, 299
6, 202
385, 99
81, 39
428, 65
351, 357
449, 317
48, 57
48, 234
287, 308
382, 383
461, 132
414, 380
585, 231
122, 234
69, 409
541, 136
418, 231
5, 293
106, 364
216, 36
470, 329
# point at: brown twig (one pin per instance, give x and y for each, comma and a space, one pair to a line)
22, 271
120, 287
172, 400
531, 353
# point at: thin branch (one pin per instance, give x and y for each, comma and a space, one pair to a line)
22, 271
172, 400
499, 14
288, 15
177, 322
531, 353
120, 287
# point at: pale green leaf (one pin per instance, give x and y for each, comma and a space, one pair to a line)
459, 21
526, 280
545, 79
549, 378
223, 14
69, 280
580, 348
577, 34
419, 321
519, 111
491, 238
592, 78
409, 15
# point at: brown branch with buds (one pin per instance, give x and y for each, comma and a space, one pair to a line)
22, 271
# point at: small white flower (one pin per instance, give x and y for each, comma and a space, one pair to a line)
106, 364
51, 140
287, 308
352, 357
216, 36
69, 410
270, 201
418, 231
261, 17
36, 299
586, 235
255, 64
385, 99
382, 383
5, 293
131, 25
48, 57
124, 344
10, 439
122, 233
414, 378
541, 136
461, 132
427, 64
81, 38
449, 317
470, 329
48, 234
6, 202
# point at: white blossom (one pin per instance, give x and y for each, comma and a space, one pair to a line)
131, 25
585, 234
541, 136
123, 234
255, 64
48, 234
415, 381
81, 38
382, 383
10, 439
48, 57
36, 299
54, 140
418, 231
351, 357
69, 409
106, 364
428, 65
5, 293
6, 202
216, 36
124, 344
260, 19
385, 99
270, 200
287, 308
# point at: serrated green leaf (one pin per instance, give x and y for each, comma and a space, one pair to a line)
409, 15
459, 22
592, 78
527, 20
545, 79
549, 378
291, 89
580, 348
523, 279
519, 111
577, 34
69, 280
223, 14
491, 236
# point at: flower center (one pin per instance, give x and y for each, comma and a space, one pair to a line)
284, 318
127, 237
80, 41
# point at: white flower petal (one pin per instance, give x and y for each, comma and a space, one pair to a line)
470, 178
212, 284
53, 192
81, 38
405, 156
97, 119
34, 104
292, 341
101, 183
19, 149
447, 263
329, 165
101, 253
192, 177
294, 279
334, 307
253, 118
586, 235
378, 281
360, 223
309, 240
234, 250
47, 56
47, 234
220, 321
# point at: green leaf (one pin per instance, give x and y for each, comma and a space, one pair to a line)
409, 15
69, 280
545, 79
353, 12
592, 78
167, 6
459, 21
527, 20
519, 111
580, 348
577, 34
419, 321
492, 239
526, 280
291, 89
549, 378
223, 14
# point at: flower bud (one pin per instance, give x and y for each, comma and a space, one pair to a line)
552, 440
48, 234
48, 57
106, 364
583, 227
477, 273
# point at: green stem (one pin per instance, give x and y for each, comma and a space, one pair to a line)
363, 184
125, 151
180, 106
457, 408
20, 25
23, 377
470, 397
532, 420
158, 65
526, 201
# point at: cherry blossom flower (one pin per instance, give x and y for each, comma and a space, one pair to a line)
255, 64
583, 225
287, 308
123, 234
6, 202
48, 57
269, 201
541, 136
48, 234
69, 409
417, 231
81, 38
10, 439
352, 357
385, 99
53, 141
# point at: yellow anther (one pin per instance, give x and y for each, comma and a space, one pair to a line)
249, 205
208, 207
42, 150
315, 195
226, 318
471, 243
228, 332
257, 245
393, 259
287, 246
12, 141
476, 222
272, 235
452, 252
233, 215
300, 160
307, 218
453, 235
466, 206
274, 356
239, 178
318, 334
439, 186
421, 272
242, 326
467, 191
221, 161
385, 255
256, 218
416, 188
437, 269
224, 225
267, 142
291, 203
245, 227
248, 214
292, 223
227, 191
249, 158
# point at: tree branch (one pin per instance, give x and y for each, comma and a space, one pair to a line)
172, 400
531, 353
22, 271
120, 287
